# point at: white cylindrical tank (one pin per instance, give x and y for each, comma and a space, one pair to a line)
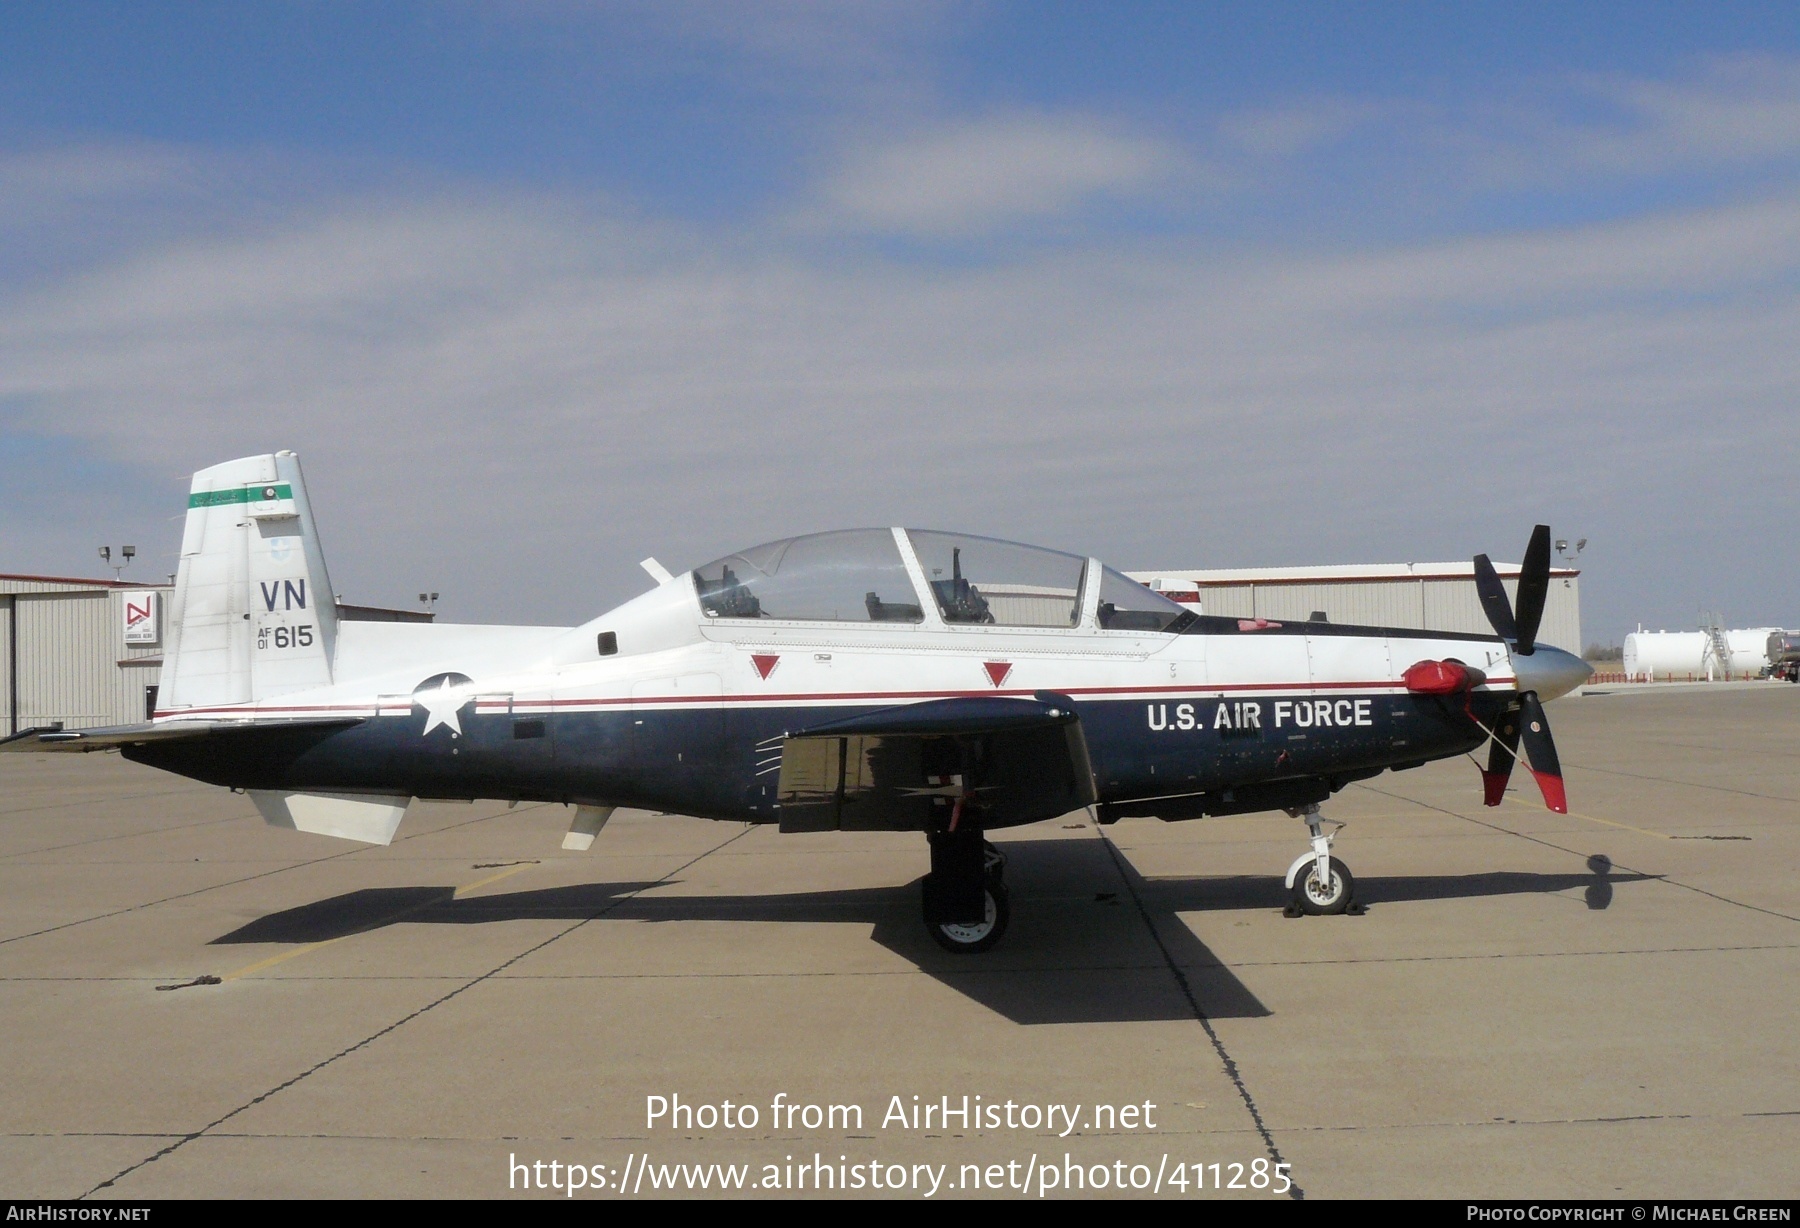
1663, 654
1691, 654
1749, 649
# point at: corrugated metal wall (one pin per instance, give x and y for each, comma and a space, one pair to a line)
73, 663
1440, 605
63, 665
6, 646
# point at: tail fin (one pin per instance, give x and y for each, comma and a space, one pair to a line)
253, 613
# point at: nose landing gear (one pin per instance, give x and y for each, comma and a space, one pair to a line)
1319, 885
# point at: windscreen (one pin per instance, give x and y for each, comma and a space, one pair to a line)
1129, 605
1126, 605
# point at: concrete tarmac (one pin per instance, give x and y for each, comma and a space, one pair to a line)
1600, 1004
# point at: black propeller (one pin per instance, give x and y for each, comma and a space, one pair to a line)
1534, 588
1526, 721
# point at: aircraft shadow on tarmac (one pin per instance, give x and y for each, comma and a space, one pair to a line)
1078, 950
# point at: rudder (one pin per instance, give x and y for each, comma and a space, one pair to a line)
253, 614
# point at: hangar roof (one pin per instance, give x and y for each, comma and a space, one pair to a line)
1347, 573
10, 583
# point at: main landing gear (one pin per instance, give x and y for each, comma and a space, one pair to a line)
966, 907
1319, 885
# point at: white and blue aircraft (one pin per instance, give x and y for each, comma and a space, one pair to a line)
861, 680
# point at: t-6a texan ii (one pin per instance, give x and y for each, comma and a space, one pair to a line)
860, 680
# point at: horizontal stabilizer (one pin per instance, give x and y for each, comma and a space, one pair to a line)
588, 822
112, 737
348, 816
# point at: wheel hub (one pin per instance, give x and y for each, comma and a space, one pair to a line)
972, 933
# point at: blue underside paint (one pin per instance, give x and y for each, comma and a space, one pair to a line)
706, 761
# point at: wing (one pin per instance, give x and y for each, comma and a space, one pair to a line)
1010, 761
56, 738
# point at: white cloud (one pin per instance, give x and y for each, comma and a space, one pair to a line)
1297, 128
1725, 115
813, 35
1738, 109
971, 178
1730, 115
512, 402
35, 179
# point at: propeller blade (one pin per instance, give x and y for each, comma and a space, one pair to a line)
1534, 588
1502, 754
1541, 751
1493, 599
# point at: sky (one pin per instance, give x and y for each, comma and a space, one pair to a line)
538, 289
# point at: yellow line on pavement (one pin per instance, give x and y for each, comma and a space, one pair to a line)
1575, 814
493, 878
310, 947
270, 962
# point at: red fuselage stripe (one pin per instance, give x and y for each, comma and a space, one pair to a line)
1196, 691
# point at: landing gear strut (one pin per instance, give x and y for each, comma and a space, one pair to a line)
966, 906
1318, 883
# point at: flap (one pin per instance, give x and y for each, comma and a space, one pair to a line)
953, 717
1008, 761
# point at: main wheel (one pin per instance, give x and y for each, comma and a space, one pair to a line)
974, 939
1324, 899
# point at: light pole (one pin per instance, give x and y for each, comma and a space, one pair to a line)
126, 554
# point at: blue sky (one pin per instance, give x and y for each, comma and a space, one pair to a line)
538, 289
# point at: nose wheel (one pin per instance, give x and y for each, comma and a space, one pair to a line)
1318, 897
1319, 885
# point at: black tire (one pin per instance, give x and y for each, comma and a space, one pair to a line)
1312, 901
974, 939
993, 865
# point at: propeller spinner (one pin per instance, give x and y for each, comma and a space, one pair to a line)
1542, 673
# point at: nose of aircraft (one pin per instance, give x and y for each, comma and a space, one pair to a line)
1550, 672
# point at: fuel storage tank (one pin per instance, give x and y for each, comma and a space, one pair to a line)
1685, 654
1662, 654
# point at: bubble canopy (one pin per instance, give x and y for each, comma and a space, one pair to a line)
860, 575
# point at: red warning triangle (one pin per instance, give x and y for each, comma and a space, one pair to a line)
997, 671
765, 664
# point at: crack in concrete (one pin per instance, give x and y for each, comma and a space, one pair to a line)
366, 1041
1187, 991
1550, 844
250, 878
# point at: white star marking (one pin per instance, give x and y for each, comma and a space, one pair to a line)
441, 706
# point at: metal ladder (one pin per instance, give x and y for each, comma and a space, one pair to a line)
1721, 647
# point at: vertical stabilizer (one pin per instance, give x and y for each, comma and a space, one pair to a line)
253, 614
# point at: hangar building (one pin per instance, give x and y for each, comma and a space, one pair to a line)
88, 653
67, 654
1438, 596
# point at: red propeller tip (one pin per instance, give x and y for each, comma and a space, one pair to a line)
1552, 787
1493, 787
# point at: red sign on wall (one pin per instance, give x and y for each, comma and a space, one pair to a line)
143, 617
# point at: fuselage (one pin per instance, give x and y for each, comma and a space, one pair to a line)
689, 713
